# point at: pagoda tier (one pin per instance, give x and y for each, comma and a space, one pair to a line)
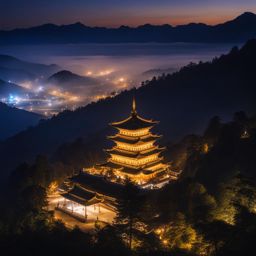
115, 165
134, 139
135, 154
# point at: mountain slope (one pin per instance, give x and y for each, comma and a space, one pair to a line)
240, 29
183, 103
14, 120
18, 70
66, 77
7, 88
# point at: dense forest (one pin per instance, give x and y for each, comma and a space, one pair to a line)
210, 210
183, 102
15, 120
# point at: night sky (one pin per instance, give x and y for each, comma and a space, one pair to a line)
113, 13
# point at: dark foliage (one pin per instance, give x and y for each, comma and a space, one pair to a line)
185, 101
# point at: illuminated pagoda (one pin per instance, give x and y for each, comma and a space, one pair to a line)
135, 155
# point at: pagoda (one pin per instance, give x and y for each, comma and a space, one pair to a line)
135, 155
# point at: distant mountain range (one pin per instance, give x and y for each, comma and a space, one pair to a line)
183, 102
17, 70
239, 29
15, 120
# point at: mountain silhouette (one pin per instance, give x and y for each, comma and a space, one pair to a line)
239, 29
183, 102
17, 70
7, 88
67, 77
14, 120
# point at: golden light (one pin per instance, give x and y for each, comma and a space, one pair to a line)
105, 72
74, 98
64, 95
134, 161
135, 133
135, 147
100, 97
205, 148
158, 231
165, 242
53, 187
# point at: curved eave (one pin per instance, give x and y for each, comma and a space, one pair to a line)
134, 140
133, 154
134, 122
146, 166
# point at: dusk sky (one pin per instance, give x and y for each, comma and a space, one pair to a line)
113, 13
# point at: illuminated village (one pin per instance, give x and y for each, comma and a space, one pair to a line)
135, 157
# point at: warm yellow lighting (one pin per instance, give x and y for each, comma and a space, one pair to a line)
134, 161
135, 133
52, 187
205, 148
105, 72
158, 231
135, 147
101, 96
157, 167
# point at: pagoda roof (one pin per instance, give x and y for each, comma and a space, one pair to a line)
132, 170
134, 122
128, 170
153, 163
115, 165
134, 140
98, 184
132, 154
81, 195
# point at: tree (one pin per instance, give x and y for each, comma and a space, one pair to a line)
217, 233
109, 241
212, 131
179, 234
128, 210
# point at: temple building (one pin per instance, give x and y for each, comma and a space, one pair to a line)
135, 156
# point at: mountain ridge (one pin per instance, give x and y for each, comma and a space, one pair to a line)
14, 120
17, 70
239, 29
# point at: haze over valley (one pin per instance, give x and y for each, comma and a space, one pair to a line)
85, 73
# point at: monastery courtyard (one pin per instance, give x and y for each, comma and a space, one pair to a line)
102, 216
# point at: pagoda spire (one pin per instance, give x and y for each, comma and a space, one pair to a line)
134, 111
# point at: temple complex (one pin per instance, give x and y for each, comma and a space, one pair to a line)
134, 156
